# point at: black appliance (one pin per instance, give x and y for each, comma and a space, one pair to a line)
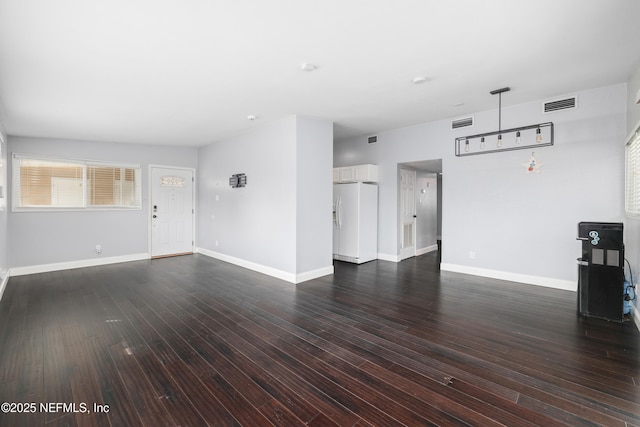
601, 270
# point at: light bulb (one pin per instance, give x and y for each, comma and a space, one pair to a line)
482, 143
538, 135
466, 146
518, 139
499, 144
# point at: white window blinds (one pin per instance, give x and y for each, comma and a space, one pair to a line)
632, 181
52, 184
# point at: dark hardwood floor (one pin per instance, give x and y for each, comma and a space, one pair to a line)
194, 341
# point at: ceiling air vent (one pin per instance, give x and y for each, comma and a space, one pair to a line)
560, 104
372, 139
462, 123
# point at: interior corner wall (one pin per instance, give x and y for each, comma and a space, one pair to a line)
4, 228
44, 238
518, 225
633, 109
632, 225
254, 225
314, 195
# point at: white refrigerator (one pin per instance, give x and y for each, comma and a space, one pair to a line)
355, 222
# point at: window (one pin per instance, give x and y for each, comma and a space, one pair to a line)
57, 184
632, 181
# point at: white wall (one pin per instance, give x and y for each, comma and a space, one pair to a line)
632, 225
42, 238
633, 109
4, 230
520, 226
314, 163
280, 223
255, 223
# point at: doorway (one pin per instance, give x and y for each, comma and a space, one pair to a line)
424, 208
172, 211
407, 213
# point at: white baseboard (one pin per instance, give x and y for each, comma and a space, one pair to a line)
426, 250
93, 262
314, 274
269, 271
389, 257
3, 284
548, 282
396, 258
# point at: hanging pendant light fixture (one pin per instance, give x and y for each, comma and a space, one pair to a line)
538, 135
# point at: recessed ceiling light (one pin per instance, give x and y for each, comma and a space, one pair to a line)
251, 117
419, 80
308, 67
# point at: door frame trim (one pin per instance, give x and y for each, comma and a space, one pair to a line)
150, 197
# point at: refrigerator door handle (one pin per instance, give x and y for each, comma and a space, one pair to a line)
339, 212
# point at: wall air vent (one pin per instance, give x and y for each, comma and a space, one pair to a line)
560, 104
462, 123
372, 139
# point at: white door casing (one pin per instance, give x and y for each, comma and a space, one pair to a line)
407, 213
172, 211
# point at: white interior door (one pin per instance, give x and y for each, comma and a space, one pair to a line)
407, 213
172, 211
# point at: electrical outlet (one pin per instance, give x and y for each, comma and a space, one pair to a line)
216, 243
472, 255
98, 249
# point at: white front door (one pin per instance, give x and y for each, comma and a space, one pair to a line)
172, 211
407, 213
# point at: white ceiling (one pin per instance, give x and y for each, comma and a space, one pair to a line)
189, 72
